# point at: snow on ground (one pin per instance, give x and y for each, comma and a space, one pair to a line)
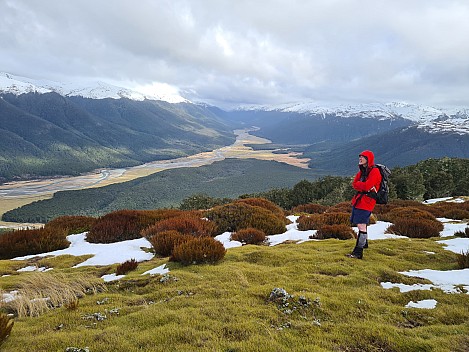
106, 254
103, 253
33, 268
160, 270
424, 304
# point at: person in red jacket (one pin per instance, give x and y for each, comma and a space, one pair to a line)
366, 181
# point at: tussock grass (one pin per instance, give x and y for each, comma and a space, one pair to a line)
39, 292
226, 307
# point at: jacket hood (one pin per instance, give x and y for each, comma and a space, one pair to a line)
370, 156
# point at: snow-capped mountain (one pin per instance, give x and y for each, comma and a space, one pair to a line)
95, 90
431, 119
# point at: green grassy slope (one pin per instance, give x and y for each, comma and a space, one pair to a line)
226, 307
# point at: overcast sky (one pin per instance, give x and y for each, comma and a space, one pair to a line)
246, 52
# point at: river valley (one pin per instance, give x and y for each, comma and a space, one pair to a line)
16, 194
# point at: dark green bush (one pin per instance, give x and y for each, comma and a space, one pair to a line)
164, 242
249, 236
199, 250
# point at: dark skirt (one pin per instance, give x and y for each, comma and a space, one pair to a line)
360, 216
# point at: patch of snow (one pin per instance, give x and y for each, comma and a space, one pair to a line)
449, 228
9, 297
103, 253
160, 270
406, 288
111, 277
423, 304
92, 89
225, 239
457, 245
444, 280
33, 268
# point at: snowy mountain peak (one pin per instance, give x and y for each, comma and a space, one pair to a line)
95, 90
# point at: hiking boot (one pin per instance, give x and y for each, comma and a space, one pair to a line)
356, 256
356, 253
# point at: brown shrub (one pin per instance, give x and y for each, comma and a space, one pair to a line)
341, 232
315, 221
463, 260
6, 324
266, 204
199, 250
122, 225
117, 226
373, 219
409, 213
151, 217
249, 236
416, 228
397, 203
164, 242
126, 266
72, 224
235, 216
26, 242
343, 207
457, 214
186, 224
464, 234
310, 208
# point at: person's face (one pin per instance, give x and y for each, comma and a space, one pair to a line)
362, 160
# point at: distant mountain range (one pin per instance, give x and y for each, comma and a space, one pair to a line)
332, 135
44, 133
50, 128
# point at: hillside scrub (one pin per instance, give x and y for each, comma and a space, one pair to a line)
238, 215
315, 221
72, 224
249, 236
32, 241
198, 250
124, 225
163, 242
327, 305
186, 224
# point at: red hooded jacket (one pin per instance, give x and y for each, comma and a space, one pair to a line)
372, 179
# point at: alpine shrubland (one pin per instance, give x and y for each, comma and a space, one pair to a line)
289, 297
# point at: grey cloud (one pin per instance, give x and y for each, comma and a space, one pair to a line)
228, 53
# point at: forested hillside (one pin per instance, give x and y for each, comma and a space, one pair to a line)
285, 185
400, 147
228, 178
49, 134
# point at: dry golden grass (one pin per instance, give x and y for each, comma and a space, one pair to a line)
39, 292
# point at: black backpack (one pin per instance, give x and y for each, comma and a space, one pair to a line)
383, 193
